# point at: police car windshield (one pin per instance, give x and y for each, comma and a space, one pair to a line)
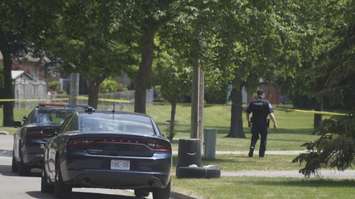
55, 117
116, 123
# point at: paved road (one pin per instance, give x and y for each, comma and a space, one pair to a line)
16, 187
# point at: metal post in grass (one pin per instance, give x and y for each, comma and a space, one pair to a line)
74, 88
209, 144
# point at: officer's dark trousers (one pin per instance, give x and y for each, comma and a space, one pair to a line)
256, 130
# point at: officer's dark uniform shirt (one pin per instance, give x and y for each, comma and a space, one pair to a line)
260, 108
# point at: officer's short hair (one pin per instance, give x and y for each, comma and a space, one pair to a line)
259, 92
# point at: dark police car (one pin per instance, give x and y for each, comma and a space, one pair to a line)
115, 150
41, 124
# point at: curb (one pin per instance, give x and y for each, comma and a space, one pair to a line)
176, 195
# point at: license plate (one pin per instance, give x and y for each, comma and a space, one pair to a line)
120, 165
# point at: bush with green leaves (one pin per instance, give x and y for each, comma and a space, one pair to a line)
54, 85
335, 148
110, 86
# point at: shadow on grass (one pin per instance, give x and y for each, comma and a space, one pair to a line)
289, 140
303, 131
309, 183
236, 160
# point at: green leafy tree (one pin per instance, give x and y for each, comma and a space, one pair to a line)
174, 81
335, 148
253, 41
143, 19
24, 26
87, 41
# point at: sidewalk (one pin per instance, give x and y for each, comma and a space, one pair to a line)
292, 152
333, 174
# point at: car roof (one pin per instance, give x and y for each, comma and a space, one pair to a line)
56, 108
116, 112
61, 107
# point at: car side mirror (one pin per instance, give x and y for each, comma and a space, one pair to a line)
17, 124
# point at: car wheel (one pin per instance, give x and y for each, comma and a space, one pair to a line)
46, 187
141, 193
14, 166
61, 190
163, 193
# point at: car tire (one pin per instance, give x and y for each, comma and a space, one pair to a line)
61, 190
139, 193
23, 170
14, 166
198, 172
163, 193
46, 187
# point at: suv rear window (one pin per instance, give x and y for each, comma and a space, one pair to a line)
116, 123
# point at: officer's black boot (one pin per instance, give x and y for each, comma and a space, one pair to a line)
251, 152
262, 151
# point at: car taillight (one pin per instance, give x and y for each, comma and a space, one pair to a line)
80, 143
159, 147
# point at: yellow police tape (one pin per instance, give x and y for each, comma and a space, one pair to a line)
315, 112
127, 101
106, 100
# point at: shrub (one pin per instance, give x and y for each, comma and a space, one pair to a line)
54, 85
334, 149
215, 94
110, 86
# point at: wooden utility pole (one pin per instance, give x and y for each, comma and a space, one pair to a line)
198, 92
74, 88
197, 102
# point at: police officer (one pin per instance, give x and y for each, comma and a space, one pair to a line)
257, 115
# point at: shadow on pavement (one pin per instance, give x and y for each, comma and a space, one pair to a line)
5, 170
78, 195
5, 153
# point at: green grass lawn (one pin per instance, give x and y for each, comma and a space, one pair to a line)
294, 128
18, 115
256, 187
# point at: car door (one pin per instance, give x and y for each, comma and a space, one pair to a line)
53, 147
19, 136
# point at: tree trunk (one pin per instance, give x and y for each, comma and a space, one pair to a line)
93, 92
172, 121
74, 88
236, 128
8, 107
142, 82
317, 120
